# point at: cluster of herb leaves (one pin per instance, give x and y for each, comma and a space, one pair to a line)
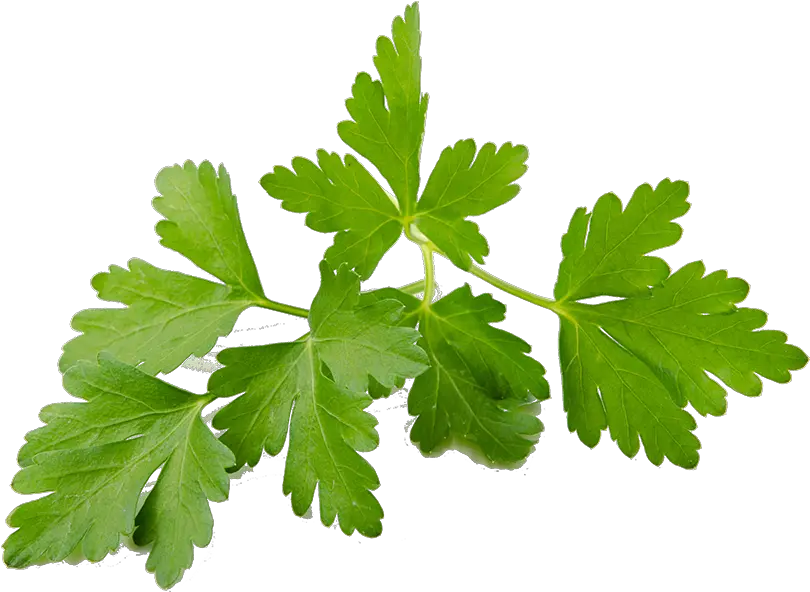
629, 366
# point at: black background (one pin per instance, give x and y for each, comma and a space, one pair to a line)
486, 76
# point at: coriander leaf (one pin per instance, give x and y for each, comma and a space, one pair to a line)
320, 380
357, 341
409, 303
387, 128
340, 197
604, 385
465, 184
614, 260
378, 391
170, 316
688, 326
388, 115
481, 387
632, 364
327, 429
96, 456
409, 319
202, 223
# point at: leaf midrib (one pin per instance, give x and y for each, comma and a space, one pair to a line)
592, 313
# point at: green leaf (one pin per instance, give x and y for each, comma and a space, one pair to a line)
387, 128
96, 457
378, 391
202, 223
320, 380
340, 197
388, 115
465, 184
345, 198
632, 364
170, 315
614, 260
605, 385
482, 388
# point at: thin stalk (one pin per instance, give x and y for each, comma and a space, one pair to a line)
427, 257
285, 308
414, 287
514, 290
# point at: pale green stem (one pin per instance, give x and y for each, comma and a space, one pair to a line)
297, 311
414, 287
285, 308
427, 257
514, 290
